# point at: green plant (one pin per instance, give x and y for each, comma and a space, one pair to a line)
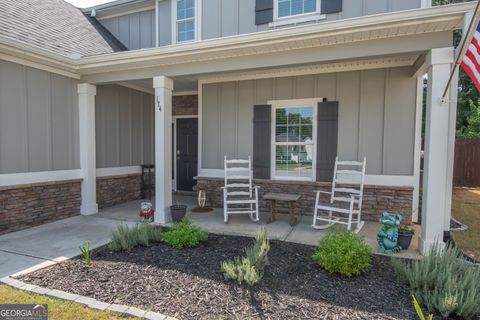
419, 311
443, 281
127, 238
250, 268
345, 253
404, 229
184, 234
87, 253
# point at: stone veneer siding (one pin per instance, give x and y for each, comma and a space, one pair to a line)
376, 199
30, 205
185, 105
114, 190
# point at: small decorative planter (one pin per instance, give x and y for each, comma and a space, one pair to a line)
178, 211
405, 234
146, 211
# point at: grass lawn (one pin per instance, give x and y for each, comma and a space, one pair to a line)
57, 308
466, 209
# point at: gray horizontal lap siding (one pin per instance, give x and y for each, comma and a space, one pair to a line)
38, 120
376, 115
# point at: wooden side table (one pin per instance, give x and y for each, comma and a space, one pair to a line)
292, 199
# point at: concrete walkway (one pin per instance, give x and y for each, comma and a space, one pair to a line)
37, 247
40, 246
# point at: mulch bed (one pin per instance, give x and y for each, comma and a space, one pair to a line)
188, 284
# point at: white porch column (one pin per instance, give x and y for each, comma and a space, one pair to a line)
86, 106
163, 148
436, 207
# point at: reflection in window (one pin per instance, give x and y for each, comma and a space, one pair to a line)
294, 142
288, 8
185, 20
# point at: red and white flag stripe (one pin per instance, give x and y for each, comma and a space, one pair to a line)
471, 61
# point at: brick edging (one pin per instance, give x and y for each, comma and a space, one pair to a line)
87, 301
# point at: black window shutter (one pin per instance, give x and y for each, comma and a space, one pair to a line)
263, 11
331, 6
262, 120
327, 137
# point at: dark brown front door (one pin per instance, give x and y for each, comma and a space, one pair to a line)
187, 148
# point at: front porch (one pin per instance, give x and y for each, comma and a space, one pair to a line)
375, 79
241, 225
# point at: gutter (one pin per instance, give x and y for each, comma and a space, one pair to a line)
265, 38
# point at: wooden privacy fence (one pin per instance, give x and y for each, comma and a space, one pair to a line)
466, 170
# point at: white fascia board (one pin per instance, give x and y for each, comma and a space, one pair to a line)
39, 58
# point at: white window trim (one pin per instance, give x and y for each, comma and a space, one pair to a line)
297, 18
276, 104
197, 29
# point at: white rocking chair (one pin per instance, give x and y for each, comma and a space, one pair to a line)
239, 196
346, 201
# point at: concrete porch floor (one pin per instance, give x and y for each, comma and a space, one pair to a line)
241, 225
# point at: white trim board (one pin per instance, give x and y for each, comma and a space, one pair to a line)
39, 66
370, 179
14, 179
124, 13
184, 93
118, 171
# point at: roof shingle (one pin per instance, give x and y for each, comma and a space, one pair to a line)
54, 25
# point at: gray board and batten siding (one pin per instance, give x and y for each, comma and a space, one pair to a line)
135, 30
38, 120
124, 127
222, 18
376, 115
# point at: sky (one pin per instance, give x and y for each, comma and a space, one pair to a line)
87, 3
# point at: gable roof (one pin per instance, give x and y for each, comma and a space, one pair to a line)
57, 26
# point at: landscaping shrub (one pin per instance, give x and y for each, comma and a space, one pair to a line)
250, 268
443, 281
86, 253
184, 234
127, 238
345, 253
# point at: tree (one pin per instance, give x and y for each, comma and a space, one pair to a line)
468, 107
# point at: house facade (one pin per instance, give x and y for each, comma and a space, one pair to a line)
86, 97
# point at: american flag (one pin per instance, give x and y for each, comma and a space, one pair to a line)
471, 61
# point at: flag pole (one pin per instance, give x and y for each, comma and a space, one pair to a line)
466, 39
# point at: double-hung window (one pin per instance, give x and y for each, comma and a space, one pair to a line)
288, 8
293, 139
185, 26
